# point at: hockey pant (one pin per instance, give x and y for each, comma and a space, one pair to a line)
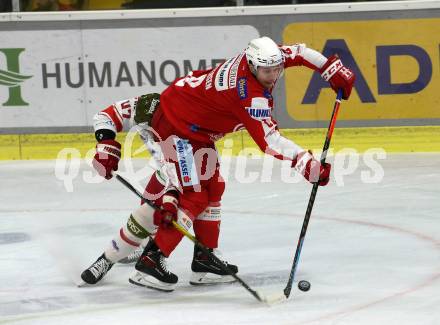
204, 204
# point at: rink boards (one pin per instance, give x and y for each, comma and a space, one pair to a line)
57, 69
392, 139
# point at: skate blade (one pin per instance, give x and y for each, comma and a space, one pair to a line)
83, 284
148, 281
126, 261
201, 278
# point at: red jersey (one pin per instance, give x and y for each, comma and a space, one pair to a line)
206, 105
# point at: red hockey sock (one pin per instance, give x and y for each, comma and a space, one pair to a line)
167, 240
154, 189
207, 226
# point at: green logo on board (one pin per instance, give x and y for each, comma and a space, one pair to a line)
12, 78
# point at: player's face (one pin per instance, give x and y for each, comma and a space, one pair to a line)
267, 76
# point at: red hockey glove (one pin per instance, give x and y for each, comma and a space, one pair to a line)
168, 212
339, 76
312, 169
108, 153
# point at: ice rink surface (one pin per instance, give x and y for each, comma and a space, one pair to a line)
372, 250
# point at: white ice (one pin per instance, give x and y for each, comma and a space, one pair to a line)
371, 253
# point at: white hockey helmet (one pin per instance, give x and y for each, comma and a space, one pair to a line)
263, 52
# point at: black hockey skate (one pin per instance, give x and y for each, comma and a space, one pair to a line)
97, 270
151, 270
206, 271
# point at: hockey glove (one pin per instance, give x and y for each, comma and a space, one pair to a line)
339, 76
108, 153
312, 169
164, 217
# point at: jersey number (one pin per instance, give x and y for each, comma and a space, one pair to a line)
193, 82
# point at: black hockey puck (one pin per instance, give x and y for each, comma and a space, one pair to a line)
304, 285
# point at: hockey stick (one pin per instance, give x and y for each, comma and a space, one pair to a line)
204, 249
302, 235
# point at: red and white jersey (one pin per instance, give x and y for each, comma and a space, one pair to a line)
207, 104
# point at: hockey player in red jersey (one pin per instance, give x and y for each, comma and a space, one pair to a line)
180, 128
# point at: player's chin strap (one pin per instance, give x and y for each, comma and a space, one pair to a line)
258, 295
302, 235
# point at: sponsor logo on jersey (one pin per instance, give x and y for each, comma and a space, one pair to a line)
12, 78
186, 162
242, 88
208, 84
260, 109
221, 79
259, 113
234, 71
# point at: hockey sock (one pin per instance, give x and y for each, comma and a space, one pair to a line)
168, 238
155, 188
207, 225
139, 226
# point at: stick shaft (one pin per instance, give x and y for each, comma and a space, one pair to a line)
305, 224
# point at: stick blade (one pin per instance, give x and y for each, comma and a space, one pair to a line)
273, 298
